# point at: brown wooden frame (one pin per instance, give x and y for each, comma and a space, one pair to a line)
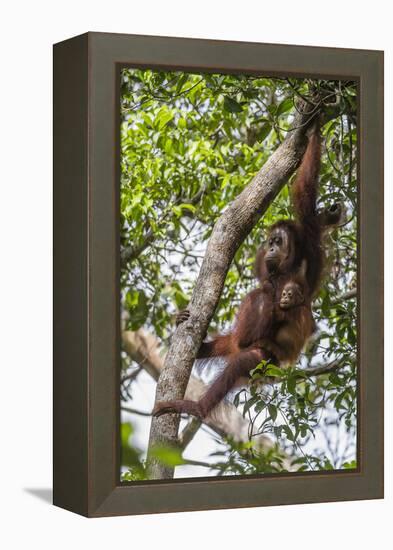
86, 274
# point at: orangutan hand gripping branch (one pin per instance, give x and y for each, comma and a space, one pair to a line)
275, 320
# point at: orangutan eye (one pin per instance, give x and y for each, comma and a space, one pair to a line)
278, 240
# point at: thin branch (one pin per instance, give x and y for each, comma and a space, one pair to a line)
299, 94
345, 296
187, 435
130, 377
328, 367
135, 411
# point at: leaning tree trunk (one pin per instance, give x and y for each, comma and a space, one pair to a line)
229, 232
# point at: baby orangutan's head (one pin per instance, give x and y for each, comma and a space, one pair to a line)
292, 295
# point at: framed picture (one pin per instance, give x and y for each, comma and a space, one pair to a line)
218, 287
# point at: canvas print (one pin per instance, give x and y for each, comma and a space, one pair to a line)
238, 285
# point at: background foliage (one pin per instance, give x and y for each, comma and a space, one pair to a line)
189, 144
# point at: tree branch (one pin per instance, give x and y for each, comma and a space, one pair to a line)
130, 377
327, 367
345, 296
187, 435
135, 411
228, 233
142, 347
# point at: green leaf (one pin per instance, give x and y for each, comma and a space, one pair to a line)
181, 299
168, 456
272, 411
231, 105
284, 106
260, 405
334, 379
264, 131
168, 146
291, 384
303, 430
289, 433
163, 118
352, 465
189, 207
137, 304
249, 403
126, 431
272, 370
180, 83
182, 123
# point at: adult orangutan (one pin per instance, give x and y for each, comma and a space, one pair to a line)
264, 329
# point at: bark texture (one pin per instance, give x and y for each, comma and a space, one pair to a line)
229, 232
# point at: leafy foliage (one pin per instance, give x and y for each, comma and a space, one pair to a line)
189, 144
130, 455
